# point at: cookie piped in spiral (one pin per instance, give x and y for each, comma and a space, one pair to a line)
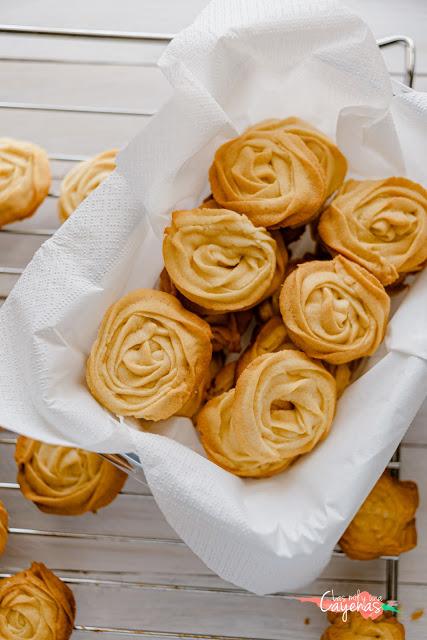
65, 480
84, 178
282, 406
272, 177
24, 179
334, 309
380, 224
219, 259
150, 356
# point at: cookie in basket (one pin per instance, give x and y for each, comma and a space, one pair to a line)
334, 310
65, 480
385, 523
36, 605
270, 176
331, 160
219, 260
24, 179
84, 178
150, 356
4, 521
282, 406
356, 627
380, 224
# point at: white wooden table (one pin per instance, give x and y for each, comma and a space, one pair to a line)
127, 567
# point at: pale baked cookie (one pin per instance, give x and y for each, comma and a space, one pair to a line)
332, 161
380, 224
344, 374
271, 337
272, 177
82, 180
36, 605
282, 406
385, 523
4, 521
356, 627
218, 259
334, 309
150, 356
64, 480
24, 179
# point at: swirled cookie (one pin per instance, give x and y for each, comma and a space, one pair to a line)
4, 521
385, 523
84, 178
272, 177
380, 224
282, 406
24, 179
334, 310
150, 356
36, 605
64, 480
271, 337
356, 627
332, 161
218, 259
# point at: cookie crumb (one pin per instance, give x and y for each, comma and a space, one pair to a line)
417, 614
306, 620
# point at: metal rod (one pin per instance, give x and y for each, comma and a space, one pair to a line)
111, 111
409, 45
103, 34
29, 232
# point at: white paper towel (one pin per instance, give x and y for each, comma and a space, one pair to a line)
241, 61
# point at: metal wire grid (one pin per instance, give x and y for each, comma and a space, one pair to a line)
129, 462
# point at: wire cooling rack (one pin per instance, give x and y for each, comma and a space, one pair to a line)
130, 463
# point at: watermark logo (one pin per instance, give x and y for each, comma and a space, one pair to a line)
362, 602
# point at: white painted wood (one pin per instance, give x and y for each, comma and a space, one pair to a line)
212, 606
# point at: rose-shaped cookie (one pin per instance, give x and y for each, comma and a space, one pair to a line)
24, 179
150, 356
356, 627
332, 161
385, 523
36, 605
334, 309
344, 374
380, 224
219, 259
64, 480
272, 177
4, 521
272, 337
282, 406
84, 178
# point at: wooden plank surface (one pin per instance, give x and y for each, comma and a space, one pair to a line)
140, 575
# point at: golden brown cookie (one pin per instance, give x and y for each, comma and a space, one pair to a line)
334, 310
84, 178
282, 406
344, 374
24, 179
270, 176
332, 161
150, 356
271, 337
4, 521
63, 480
385, 523
218, 259
36, 605
380, 224
222, 381
355, 627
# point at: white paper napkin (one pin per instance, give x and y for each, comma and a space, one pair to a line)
242, 60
